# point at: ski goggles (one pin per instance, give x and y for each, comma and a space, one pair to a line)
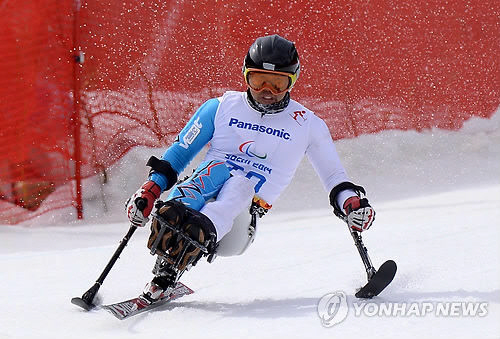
276, 82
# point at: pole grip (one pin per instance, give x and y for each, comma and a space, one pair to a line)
141, 203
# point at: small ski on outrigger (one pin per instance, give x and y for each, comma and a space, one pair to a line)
377, 280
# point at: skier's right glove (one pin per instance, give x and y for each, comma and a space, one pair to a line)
360, 214
140, 204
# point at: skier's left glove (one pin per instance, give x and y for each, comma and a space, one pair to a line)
140, 204
359, 213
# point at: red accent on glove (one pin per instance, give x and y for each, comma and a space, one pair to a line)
151, 192
351, 204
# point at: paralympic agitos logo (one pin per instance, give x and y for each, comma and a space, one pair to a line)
280, 133
247, 148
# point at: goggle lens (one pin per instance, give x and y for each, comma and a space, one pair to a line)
276, 83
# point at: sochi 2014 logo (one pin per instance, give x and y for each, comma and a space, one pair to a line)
248, 148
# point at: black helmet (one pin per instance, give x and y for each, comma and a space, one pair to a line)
273, 53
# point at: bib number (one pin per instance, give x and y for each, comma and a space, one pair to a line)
250, 174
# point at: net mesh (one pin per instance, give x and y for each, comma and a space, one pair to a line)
36, 106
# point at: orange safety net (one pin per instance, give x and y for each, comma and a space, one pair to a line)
366, 67
36, 107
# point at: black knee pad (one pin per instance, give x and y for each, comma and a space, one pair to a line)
191, 223
197, 222
174, 213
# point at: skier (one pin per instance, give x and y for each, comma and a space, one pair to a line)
257, 139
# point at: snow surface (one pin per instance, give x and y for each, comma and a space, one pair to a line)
437, 197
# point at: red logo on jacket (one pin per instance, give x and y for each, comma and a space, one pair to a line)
299, 116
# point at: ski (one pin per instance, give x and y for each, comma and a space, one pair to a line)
83, 303
379, 281
128, 308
